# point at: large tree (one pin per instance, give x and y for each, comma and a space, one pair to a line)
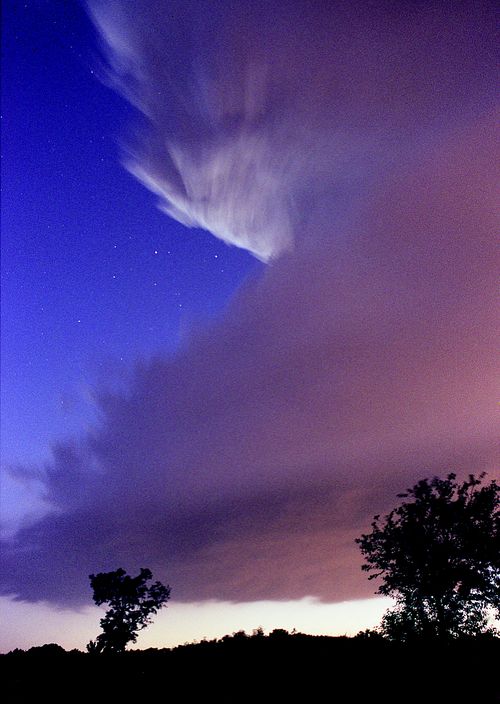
132, 603
438, 554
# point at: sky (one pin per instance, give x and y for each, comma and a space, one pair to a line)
248, 275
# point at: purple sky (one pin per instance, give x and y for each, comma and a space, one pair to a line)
244, 421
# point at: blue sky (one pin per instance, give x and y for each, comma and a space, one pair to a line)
93, 274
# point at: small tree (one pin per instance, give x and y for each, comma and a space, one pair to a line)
439, 556
132, 604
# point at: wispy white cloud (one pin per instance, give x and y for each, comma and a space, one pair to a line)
253, 114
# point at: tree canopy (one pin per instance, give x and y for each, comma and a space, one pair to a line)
438, 554
132, 604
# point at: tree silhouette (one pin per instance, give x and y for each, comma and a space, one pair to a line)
439, 556
132, 604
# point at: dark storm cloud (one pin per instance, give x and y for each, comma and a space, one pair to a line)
361, 361
214, 550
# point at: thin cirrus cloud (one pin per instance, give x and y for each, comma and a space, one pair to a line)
253, 114
356, 151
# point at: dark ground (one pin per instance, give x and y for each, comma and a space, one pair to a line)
278, 668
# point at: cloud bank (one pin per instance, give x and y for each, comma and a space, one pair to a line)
360, 148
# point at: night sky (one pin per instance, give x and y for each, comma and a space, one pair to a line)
227, 387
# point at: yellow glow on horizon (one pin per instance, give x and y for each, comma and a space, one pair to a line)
25, 625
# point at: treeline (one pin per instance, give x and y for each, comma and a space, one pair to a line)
279, 667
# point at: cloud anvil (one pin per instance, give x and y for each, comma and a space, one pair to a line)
354, 149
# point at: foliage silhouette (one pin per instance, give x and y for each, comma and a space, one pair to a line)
439, 556
132, 604
293, 667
